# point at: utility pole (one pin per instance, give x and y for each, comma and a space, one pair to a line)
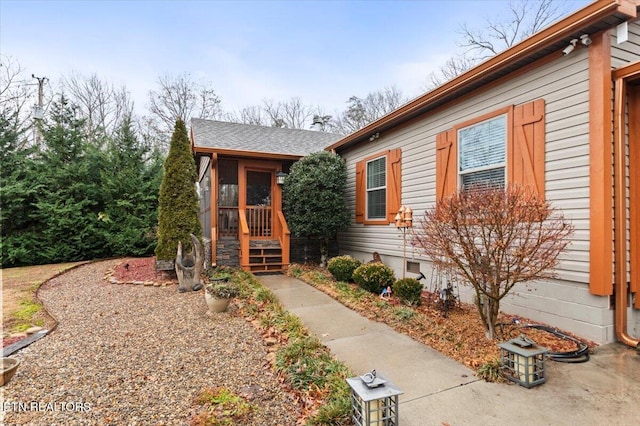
38, 113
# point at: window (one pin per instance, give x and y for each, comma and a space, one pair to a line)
503, 147
482, 153
377, 188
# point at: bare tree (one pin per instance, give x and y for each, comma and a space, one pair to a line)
362, 111
102, 105
15, 93
493, 239
182, 97
522, 19
249, 115
292, 114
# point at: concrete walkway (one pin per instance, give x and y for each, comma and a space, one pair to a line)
440, 391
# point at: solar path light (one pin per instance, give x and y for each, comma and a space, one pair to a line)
374, 400
523, 361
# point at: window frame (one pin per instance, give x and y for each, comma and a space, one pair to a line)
393, 187
381, 156
507, 112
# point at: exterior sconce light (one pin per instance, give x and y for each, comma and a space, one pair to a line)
280, 177
374, 136
374, 400
404, 221
523, 361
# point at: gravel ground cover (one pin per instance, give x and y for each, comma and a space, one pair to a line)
137, 355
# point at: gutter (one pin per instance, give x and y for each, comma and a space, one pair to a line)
620, 207
594, 12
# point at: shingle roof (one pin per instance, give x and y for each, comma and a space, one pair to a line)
246, 137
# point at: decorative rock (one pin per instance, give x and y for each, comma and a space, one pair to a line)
33, 330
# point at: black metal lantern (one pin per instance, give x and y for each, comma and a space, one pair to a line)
280, 177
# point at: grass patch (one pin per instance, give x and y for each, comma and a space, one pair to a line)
304, 362
491, 371
221, 407
404, 314
20, 307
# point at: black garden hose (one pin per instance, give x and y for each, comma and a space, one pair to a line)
577, 356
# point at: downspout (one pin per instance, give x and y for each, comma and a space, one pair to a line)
620, 209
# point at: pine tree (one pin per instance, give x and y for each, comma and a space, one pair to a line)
16, 171
130, 177
68, 193
178, 201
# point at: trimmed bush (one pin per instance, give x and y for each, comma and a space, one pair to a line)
342, 267
408, 291
374, 277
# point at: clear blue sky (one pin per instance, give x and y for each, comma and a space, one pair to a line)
321, 51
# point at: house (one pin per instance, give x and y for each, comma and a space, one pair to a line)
559, 112
239, 167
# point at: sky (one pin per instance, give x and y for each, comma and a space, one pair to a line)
322, 52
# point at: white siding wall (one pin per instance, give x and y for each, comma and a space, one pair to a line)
563, 84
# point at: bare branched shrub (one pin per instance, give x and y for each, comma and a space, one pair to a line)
492, 239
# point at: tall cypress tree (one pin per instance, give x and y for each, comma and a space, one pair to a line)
178, 201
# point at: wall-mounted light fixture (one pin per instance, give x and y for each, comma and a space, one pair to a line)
281, 177
374, 136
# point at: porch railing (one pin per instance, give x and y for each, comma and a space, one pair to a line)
228, 222
259, 221
255, 223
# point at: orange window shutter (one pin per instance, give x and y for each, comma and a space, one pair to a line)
360, 192
526, 150
446, 164
394, 184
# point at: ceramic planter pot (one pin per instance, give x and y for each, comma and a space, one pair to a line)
215, 304
9, 367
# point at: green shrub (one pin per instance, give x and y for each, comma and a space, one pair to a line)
408, 291
342, 267
374, 277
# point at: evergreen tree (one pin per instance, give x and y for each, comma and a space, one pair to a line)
178, 201
68, 194
314, 198
16, 195
130, 182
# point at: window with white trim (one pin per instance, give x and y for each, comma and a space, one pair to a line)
377, 188
482, 153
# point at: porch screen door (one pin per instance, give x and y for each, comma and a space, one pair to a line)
228, 198
258, 207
